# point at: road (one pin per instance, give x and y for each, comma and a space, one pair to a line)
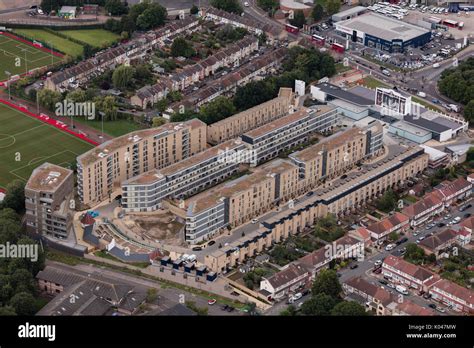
167, 296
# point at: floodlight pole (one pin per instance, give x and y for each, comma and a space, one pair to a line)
9, 77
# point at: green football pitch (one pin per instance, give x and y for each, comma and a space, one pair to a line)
25, 143
13, 54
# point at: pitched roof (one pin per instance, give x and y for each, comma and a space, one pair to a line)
429, 200
450, 188
403, 266
468, 223
439, 239
382, 295
388, 223
455, 290
411, 308
292, 272
313, 259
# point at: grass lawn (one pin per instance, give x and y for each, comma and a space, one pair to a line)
426, 104
13, 54
112, 128
340, 68
63, 45
25, 143
94, 37
371, 82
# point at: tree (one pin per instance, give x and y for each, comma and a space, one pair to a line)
49, 99
87, 51
115, 7
469, 111
122, 76
232, 6
218, 109
194, 10
458, 83
107, 106
320, 304
298, 19
350, 308
317, 13
23, 303
290, 311
268, 5
152, 17
15, 196
388, 201
158, 121
414, 254
327, 283
7, 311
181, 47
77, 96
332, 6
151, 295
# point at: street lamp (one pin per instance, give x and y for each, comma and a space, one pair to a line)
9, 76
26, 62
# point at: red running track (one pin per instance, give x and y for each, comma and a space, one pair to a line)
49, 120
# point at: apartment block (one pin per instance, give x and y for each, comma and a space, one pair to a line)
286, 132
236, 202
178, 181
48, 193
334, 155
337, 197
102, 170
235, 126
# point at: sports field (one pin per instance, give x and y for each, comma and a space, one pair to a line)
94, 37
13, 53
25, 143
63, 45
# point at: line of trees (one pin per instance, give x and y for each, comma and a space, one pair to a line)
18, 290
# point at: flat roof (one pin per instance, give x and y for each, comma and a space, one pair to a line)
348, 106
289, 119
385, 28
424, 123
434, 154
420, 132
349, 12
47, 177
133, 137
347, 95
328, 144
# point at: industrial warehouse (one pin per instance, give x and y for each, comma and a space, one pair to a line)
383, 33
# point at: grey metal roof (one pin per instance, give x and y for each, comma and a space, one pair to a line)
383, 27
339, 93
426, 124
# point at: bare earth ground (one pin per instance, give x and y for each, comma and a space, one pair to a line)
160, 226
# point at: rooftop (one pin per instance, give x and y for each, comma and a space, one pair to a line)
287, 120
346, 95
47, 177
456, 290
415, 271
439, 239
420, 132
383, 27
110, 146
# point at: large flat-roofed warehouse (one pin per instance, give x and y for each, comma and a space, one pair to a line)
382, 32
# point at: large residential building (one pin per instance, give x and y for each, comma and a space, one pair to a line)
461, 299
336, 154
408, 274
48, 194
102, 170
286, 132
238, 201
339, 197
189, 176
247, 120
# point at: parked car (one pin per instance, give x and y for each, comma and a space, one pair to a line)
401, 289
432, 305
401, 241
212, 242
390, 247
297, 296
198, 248
354, 266
440, 309
390, 285
211, 301
378, 263
426, 295
467, 215
383, 282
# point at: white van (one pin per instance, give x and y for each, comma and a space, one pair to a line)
401, 289
421, 94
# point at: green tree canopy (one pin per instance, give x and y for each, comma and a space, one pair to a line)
350, 308
24, 303
232, 6
115, 7
122, 76
15, 196
317, 13
319, 304
298, 19
327, 283
181, 47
